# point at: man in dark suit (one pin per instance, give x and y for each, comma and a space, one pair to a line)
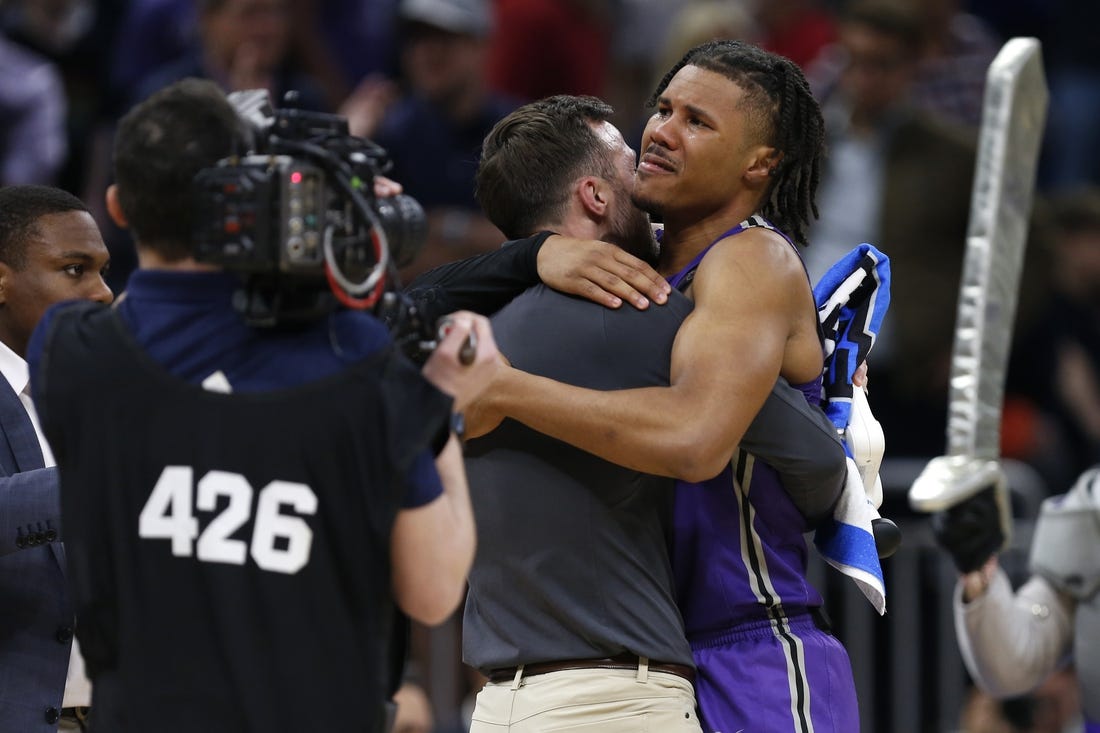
50, 251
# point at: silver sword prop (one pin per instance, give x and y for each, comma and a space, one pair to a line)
1013, 116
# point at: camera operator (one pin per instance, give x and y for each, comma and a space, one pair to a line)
250, 502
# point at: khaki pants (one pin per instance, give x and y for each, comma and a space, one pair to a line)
588, 701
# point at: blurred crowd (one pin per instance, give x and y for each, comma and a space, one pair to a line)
900, 82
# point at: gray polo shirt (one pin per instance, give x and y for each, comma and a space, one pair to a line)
572, 559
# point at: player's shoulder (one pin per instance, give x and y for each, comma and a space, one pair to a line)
761, 238
761, 255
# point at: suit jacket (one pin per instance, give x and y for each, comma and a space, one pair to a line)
36, 613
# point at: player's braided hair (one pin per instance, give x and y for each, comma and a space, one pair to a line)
782, 108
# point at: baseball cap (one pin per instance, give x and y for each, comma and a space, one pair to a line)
465, 17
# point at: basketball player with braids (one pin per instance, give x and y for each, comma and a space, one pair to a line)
730, 163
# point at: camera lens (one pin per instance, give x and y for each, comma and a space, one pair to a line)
406, 227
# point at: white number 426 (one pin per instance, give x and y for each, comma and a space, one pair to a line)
168, 514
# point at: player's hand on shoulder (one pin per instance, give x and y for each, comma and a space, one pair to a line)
466, 360
599, 271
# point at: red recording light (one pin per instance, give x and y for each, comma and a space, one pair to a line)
296, 177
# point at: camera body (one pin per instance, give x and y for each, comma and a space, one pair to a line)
296, 216
263, 214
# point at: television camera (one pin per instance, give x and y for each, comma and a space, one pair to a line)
296, 216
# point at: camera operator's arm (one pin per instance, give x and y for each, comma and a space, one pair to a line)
594, 270
433, 545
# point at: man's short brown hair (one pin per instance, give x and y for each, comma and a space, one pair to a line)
530, 158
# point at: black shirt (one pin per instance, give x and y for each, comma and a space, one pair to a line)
229, 553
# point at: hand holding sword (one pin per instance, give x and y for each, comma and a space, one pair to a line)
1014, 113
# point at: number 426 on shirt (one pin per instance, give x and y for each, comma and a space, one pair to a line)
169, 514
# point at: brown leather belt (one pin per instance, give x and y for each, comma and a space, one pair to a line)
621, 661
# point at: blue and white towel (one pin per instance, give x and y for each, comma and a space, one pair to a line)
852, 298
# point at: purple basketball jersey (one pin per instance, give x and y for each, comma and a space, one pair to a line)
739, 561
